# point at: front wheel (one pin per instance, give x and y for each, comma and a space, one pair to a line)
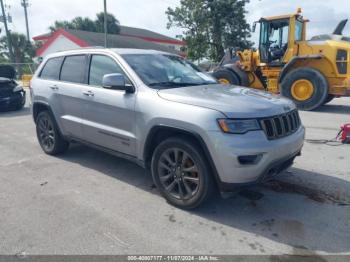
226, 77
181, 173
329, 99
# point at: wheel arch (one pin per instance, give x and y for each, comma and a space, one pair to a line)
159, 133
324, 66
38, 107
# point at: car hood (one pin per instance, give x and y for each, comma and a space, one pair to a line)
7, 71
233, 101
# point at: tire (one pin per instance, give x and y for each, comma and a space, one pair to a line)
48, 134
19, 107
225, 76
329, 99
197, 186
319, 89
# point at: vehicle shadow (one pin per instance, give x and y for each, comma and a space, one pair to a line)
334, 109
292, 213
12, 113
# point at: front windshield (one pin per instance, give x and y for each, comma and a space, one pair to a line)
167, 71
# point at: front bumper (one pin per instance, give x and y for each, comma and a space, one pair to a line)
273, 156
13, 101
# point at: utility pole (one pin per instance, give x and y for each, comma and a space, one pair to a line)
105, 22
25, 4
8, 35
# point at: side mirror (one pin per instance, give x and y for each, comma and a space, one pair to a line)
254, 27
117, 82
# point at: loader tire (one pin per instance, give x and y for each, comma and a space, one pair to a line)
307, 87
329, 99
227, 77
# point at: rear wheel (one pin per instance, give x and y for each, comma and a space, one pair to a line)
227, 77
181, 173
307, 87
48, 134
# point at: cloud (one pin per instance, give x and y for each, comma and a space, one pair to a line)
150, 14
323, 15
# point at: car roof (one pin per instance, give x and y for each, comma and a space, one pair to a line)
119, 51
129, 51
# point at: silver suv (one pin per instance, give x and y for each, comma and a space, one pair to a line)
163, 113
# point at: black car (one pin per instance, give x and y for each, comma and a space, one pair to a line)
12, 95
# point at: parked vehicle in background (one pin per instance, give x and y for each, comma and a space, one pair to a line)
12, 94
163, 113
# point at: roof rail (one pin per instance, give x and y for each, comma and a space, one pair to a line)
92, 47
80, 48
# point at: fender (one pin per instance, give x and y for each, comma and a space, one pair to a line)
176, 130
35, 105
290, 64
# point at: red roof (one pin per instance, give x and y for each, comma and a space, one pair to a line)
55, 35
86, 39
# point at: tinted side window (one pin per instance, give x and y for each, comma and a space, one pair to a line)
52, 68
73, 69
102, 65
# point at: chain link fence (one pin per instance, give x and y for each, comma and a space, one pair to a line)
24, 71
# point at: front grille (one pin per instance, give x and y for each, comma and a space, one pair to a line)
281, 126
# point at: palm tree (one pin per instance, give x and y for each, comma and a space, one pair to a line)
22, 49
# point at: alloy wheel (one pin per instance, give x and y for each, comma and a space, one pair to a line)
178, 174
46, 133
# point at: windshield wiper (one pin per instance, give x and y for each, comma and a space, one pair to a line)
174, 84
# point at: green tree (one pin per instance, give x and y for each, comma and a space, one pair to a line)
87, 24
113, 25
22, 49
211, 26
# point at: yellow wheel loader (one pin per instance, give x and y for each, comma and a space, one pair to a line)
311, 73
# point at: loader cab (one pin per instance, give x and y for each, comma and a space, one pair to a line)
277, 36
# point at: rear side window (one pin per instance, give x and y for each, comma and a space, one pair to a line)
73, 69
52, 68
102, 65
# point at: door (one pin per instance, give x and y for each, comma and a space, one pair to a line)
274, 38
264, 42
109, 116
70, 92
47, 82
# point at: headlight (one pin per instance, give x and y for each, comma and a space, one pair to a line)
18, 89
238, 126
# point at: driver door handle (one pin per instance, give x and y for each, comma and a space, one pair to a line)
88, 93
54, 87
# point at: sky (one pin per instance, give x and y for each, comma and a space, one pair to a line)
150, 14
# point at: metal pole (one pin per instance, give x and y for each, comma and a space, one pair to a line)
105, 22
8, 36
25, 5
